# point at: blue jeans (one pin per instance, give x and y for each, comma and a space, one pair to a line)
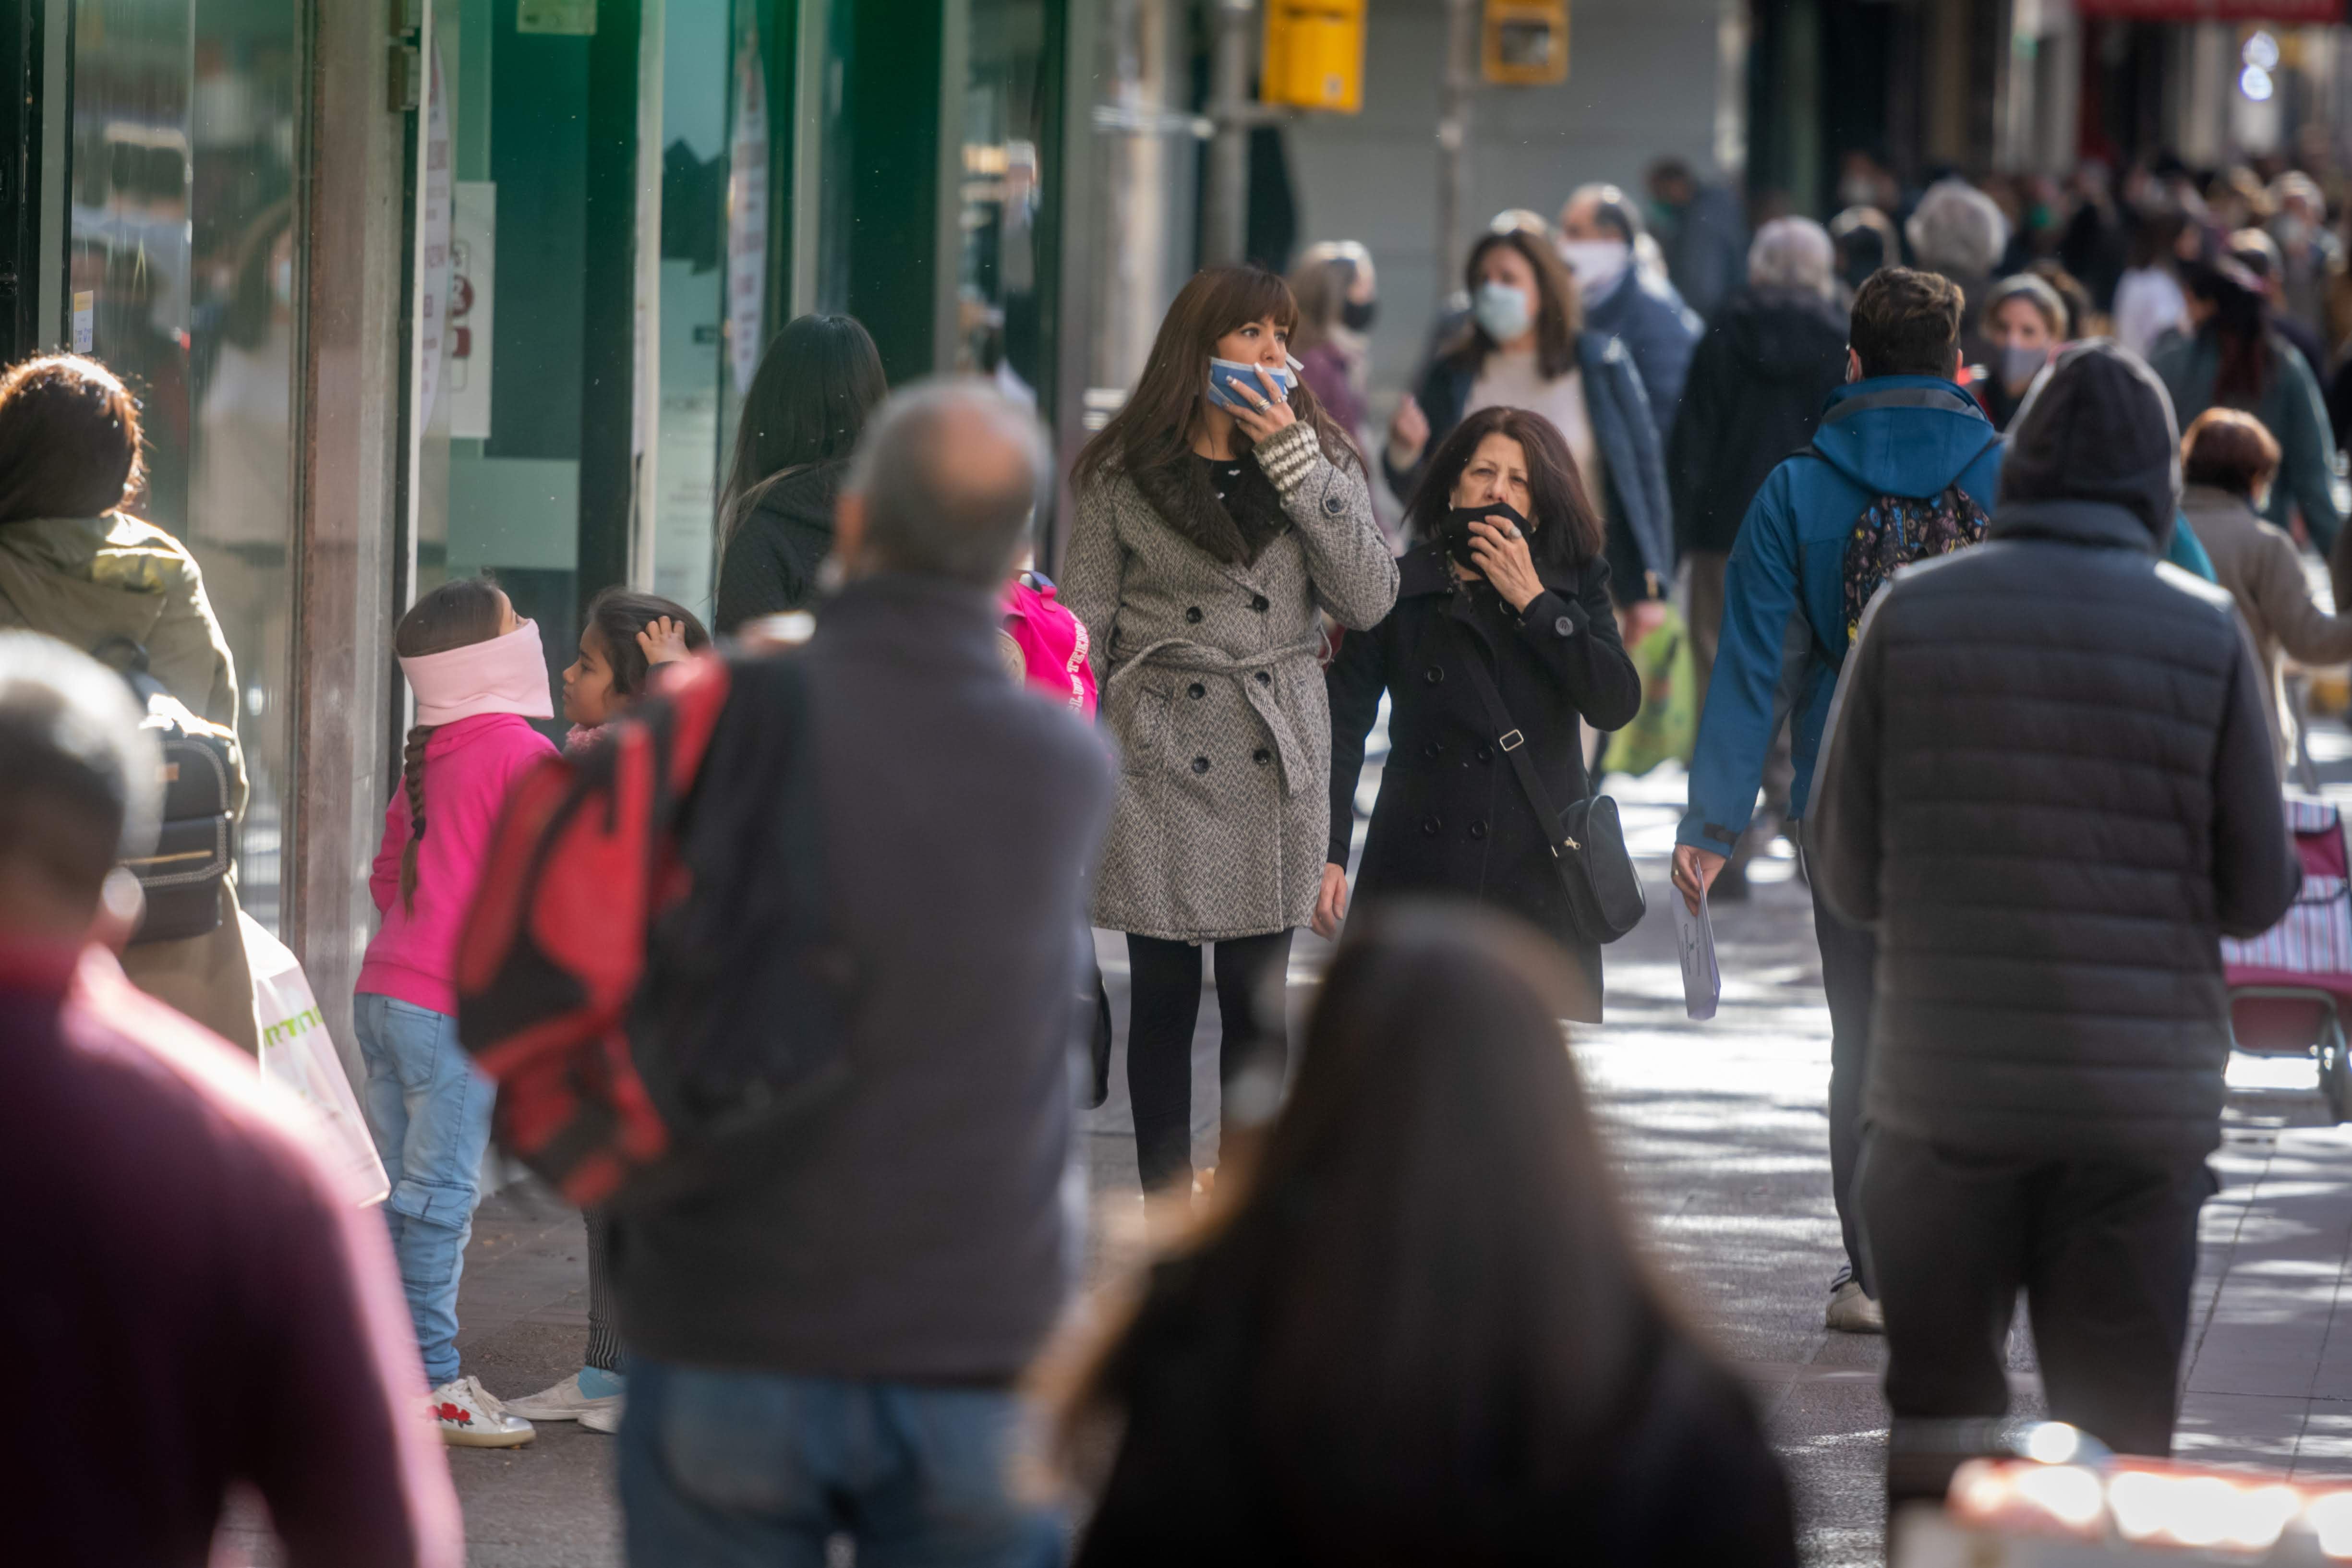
732, 1468
428, 1108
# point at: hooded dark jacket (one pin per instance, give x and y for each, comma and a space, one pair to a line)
2048, 782
1768, 362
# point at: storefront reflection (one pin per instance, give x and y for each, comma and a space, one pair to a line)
184, 242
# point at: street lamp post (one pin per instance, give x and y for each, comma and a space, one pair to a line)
1454, 89
1224, 227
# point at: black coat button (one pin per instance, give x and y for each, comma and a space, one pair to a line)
1477, 830
1264, 679
1430, 825
1433, 750
1485, 752
1196, 691
1194, 614
1434, 674
1564, 626
1199, 765
1333, 506
1261, 756
1260, 602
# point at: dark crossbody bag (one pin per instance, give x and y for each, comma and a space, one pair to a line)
1587, 840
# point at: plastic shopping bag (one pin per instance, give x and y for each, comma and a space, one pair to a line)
297, 1052
1666, 729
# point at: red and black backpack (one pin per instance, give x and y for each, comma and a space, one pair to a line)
645, 971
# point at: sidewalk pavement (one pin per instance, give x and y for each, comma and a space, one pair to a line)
1720, 1131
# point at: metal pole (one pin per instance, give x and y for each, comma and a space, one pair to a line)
1455, 88
1224, 204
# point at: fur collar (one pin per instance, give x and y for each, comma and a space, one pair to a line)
1235, 529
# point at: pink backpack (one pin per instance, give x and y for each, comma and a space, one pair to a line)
1053, 642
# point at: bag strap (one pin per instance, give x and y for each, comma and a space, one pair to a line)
1514, 746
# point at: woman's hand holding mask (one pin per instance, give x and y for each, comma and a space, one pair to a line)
1265, 409
1500, 548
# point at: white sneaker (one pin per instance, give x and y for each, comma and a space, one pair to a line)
564, 1402
1851, 1312
606, 1417
471, 1416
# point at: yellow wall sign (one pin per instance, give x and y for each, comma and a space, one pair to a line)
1314, 55
1525, 42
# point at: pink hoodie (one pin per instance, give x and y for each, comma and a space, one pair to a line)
470, 765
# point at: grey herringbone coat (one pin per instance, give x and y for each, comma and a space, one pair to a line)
1210, 682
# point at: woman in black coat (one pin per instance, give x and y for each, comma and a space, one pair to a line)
1506, 568
816, 383
1414, 1329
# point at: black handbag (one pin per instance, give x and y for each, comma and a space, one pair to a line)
196, 838
1588, 840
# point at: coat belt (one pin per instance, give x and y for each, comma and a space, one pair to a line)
1193, 658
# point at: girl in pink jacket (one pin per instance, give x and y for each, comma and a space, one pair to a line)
479, 677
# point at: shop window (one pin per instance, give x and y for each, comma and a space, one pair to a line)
184, 265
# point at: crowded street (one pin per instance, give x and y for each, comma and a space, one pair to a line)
1133, 784
1719, 1132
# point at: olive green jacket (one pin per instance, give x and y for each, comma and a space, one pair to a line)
84, 580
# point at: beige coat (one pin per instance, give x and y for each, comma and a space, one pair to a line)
84, 580
1211, 683
2258, 564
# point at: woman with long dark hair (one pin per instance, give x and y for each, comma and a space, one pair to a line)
1525, 346
809, 399
1415, 1328
1216, 520
2233, 359
1506, 568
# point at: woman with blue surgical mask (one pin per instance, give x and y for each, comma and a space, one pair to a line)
1524, 346
1218, 517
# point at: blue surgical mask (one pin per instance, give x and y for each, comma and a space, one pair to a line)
1226, 374
1502, 311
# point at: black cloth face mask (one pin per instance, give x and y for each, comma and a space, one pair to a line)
1356, 315
1454, 533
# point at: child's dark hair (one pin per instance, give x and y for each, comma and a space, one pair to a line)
618, 615
454, 615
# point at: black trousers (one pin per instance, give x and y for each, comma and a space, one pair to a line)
1849, 975
2104, 1250
1164, 982
603, 1350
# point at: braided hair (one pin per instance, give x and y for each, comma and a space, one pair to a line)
454, 615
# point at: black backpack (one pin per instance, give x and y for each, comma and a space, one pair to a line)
196, 844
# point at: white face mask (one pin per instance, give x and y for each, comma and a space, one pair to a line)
1502, 311
1597, 263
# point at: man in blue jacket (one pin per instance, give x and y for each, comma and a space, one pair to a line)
1900, 428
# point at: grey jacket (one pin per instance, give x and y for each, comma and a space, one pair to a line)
1211, 684
913, 1231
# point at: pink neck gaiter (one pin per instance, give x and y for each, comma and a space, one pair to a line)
503, 675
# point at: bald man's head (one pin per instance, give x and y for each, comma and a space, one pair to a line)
945, 482
1599, 212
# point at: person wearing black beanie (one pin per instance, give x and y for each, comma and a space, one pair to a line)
2100, 429
2049, 783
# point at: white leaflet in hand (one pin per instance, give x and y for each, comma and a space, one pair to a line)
1702, 982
